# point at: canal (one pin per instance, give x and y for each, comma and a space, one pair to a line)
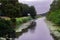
38, 31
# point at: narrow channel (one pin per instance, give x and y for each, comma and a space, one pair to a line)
39, 32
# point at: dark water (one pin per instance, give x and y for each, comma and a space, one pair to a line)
38, 30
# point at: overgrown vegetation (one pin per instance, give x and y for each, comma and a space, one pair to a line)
6, 28
54, 13
14, 10
21, 20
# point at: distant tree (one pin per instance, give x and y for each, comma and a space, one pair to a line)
25, 10
54, 14
32, 12
55, 5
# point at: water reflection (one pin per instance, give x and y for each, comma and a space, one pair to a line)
37, 30
31, 27
12, 35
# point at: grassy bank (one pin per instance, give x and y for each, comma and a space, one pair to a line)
22, 20
54, 30
54, 16
54, 13
54, 23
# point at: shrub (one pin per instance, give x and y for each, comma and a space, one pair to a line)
22, 20
54, 17
5, 27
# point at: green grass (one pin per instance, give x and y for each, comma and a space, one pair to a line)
54, 16
22, 20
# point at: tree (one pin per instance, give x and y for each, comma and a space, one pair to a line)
14, 9
11, 10
55, 5
25, 10
5, 28
32, 12
54, 13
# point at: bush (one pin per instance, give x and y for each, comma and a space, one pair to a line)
5, 27
54, 17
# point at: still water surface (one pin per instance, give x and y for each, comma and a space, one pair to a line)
38, 32
39, 29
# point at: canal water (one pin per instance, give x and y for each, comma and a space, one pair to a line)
38, 31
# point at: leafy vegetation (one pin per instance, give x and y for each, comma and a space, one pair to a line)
5, 27
14, 10
21, 20
54, 13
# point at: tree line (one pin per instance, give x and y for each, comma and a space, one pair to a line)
13, 9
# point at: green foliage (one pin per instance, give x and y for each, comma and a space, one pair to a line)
10, 10
33, 12
5, 27
55, 5
14, 9
55, 17
22, 20
54, 14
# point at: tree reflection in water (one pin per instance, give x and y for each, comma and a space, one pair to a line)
30, 27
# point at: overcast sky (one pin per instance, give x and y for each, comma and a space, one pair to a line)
41, 6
